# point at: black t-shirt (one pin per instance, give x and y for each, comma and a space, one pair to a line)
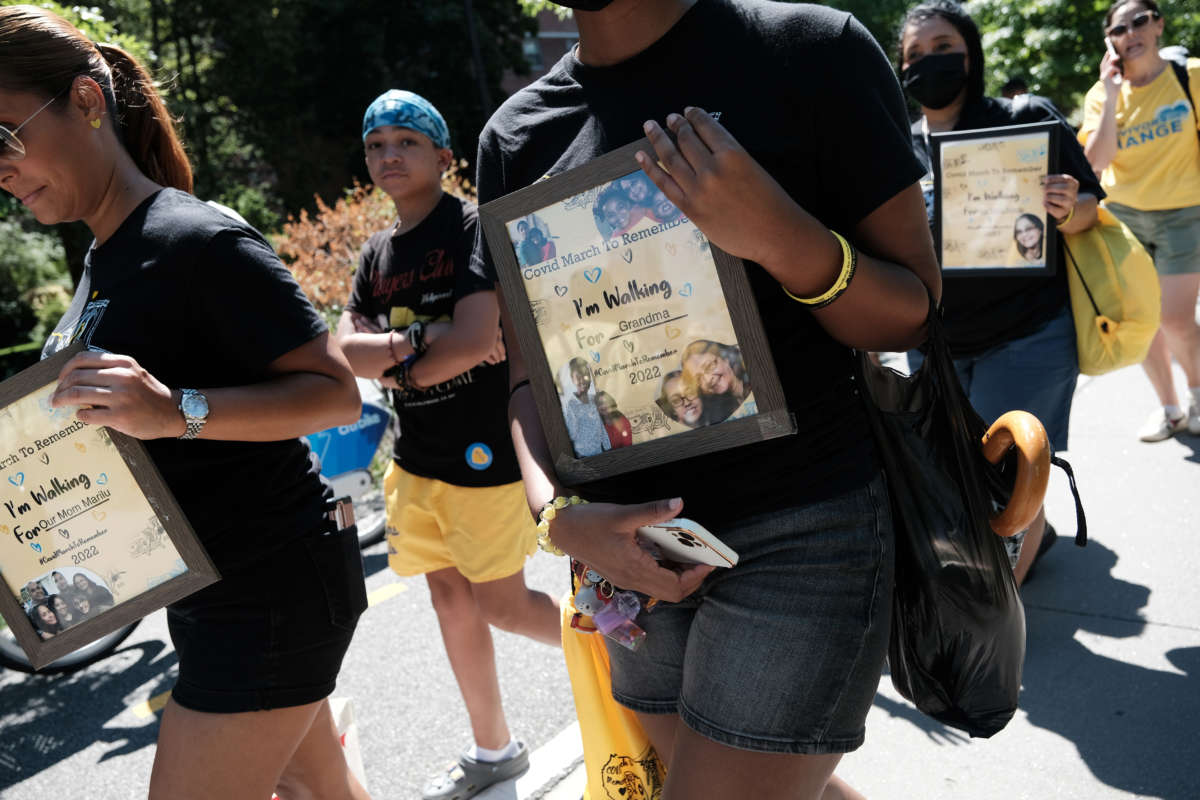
814, 101
456, 432
982, 312
201, 301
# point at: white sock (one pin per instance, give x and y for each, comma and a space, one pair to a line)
1173, 412
483, 754
1194, 391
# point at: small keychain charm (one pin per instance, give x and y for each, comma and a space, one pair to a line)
611, 612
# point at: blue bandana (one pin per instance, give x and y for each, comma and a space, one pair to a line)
406, 110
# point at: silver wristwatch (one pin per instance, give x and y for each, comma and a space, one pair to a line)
194, 407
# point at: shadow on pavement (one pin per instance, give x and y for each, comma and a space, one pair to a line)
45, 719
1134, 726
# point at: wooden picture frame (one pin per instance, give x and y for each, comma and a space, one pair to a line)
55, 490
987, 193
690, 279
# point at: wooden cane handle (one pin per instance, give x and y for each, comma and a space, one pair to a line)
1021, 430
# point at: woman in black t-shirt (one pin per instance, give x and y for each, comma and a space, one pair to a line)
176, 294
1013, 338
752, 681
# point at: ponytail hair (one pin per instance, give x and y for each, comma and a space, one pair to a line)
43, 54
145, 124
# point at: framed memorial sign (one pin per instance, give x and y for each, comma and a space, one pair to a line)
91, 539
642, 339
988, 212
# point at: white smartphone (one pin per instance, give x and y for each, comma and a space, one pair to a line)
1112, 54
687, 542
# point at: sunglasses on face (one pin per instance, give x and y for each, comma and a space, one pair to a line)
11, 147
1139, 21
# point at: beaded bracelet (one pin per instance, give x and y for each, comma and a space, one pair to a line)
548, 513
849, 264
401, 374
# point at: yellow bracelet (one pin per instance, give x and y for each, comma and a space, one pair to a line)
849, 264
548, 513
1068, 219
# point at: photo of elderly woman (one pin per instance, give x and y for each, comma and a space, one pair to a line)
616, 424
1028, 234
684, 404
94, 590
580, 411
718, 373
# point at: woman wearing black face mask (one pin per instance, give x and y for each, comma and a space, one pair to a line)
1013, 337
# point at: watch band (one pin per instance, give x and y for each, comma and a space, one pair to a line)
192, 424
416, 337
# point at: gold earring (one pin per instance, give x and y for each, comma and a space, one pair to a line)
96, 123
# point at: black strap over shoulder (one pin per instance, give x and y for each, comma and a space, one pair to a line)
1181, 75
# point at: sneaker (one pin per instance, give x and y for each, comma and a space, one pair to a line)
1193, 419
470, 776
1159, 426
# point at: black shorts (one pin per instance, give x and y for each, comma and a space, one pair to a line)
273, 634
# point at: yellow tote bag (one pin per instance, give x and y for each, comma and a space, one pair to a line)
620, 763
1114, 295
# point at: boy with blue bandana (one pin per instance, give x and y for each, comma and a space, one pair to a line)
420, 320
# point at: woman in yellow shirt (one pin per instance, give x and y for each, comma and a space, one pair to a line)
1140, 133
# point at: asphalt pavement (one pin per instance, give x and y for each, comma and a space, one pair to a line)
1110, 704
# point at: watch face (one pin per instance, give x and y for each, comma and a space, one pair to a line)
195, 405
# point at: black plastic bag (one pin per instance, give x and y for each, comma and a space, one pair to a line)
958, 626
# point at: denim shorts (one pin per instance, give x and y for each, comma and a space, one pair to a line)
783, 652
1171, 236
1036, 373
273, 634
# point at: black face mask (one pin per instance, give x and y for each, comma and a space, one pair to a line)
584, 5
936, 79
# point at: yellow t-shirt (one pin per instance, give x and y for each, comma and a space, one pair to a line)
1158, 157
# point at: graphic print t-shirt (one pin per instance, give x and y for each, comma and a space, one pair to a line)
456, 432
1157, 165
201, 301
838, 145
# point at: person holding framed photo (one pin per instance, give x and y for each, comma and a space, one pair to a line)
201, 344
1013, 337
829, 217
1140, 133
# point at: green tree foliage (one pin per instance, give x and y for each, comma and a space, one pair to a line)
1056, 45
296, 75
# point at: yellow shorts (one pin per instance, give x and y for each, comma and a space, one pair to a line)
486, 532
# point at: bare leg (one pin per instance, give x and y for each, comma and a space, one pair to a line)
318, 768
703, 768
468, 641
1158, 369
1029, 547
512, 606
237, 756
662, 729
1179, 322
